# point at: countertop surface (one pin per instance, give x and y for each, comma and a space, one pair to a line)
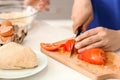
51, 31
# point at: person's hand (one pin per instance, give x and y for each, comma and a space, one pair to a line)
38, 4
104, 38
82, 14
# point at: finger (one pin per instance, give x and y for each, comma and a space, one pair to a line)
86, 24
87, 41
26, 2
108, 48
86, 34
94, 45
77, 23
75, 27
44, 2
47, 2
42, 8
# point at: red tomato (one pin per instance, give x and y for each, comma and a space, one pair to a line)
50, 46
93, 56
68, 45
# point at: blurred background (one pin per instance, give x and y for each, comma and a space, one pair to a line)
59, 9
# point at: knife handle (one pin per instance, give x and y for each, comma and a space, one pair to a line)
79, 31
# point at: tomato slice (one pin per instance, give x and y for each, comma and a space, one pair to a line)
50, 46
68, 45
93, 56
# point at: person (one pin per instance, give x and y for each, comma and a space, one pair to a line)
99, 21
41, 5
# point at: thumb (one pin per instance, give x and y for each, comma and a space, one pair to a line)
28, 2
75, 28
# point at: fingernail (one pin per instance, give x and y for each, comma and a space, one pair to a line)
80, 50
76, 46
76, 39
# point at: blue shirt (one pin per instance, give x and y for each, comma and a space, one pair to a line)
106, 14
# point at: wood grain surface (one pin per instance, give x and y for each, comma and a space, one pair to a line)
96, 72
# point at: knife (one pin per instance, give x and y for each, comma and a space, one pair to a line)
73, 46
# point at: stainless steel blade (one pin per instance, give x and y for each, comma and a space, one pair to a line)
73, 46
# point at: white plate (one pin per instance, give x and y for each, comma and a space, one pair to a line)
13, 74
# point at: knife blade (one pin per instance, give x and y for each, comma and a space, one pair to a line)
73, 46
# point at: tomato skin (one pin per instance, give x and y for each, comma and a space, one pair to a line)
50, 46
68, 45
94, 56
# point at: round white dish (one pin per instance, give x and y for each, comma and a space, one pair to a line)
13, 74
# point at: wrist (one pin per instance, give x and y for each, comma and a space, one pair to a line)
118, 33
84, 3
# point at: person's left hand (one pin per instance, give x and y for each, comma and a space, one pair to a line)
38, 4
101, 37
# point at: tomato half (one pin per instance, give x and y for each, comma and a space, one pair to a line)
68, 45
93, 56
50, 46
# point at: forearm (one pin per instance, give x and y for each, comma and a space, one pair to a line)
84, 2
118, 31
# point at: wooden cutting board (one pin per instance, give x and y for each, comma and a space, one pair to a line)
96, 72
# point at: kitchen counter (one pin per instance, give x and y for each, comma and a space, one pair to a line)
51, 31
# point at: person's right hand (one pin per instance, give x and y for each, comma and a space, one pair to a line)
82, 14
38, 4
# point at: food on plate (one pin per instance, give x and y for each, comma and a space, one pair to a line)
16, 56
93, 56
11, 33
